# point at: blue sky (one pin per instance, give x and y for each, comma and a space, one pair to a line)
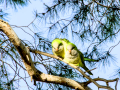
24, 15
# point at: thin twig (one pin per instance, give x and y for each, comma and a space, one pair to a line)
77, 68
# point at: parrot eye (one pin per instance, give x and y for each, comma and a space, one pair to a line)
60, 44
72, 48
53, 47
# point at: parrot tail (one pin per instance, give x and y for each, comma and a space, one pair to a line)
90, 60
87, 70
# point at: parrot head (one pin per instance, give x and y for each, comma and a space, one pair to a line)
72, 49
57, 45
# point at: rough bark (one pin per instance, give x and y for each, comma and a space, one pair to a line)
27, 60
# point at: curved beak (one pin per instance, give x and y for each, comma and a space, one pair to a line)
69, 51
56, 49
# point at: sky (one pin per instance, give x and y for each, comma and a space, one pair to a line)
24, 15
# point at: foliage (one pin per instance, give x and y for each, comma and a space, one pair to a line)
14, 3
3, 15
94, 22
91, 22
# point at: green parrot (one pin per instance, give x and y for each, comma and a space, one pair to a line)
74, 56
59, 50
58, 47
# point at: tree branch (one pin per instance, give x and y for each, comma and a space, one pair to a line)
23, 51
115, 8
77, 68
38, 75
102, 79
29, 65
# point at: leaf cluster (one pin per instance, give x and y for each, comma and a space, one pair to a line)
14, 3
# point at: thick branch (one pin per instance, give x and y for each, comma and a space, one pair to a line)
36, 74
23, 51
60, 80
27, 60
